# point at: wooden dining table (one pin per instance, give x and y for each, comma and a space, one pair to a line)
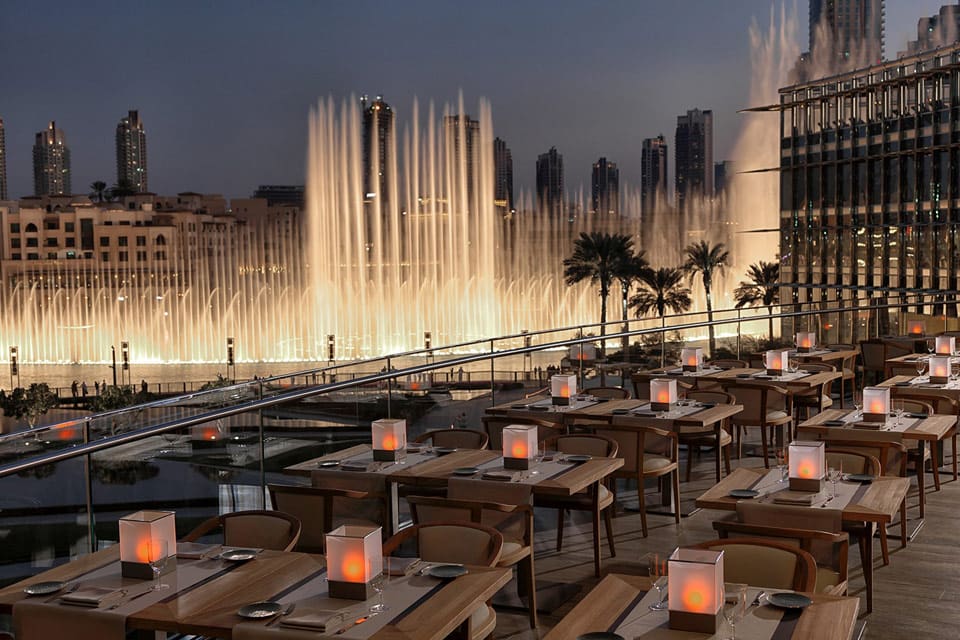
879, 503
210, 607
618, 600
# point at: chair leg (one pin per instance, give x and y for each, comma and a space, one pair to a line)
903, 523
884, 551
935, 463
954, 441
726, 460
608, 524
641, 498
559, 530
676, 494
525, 573
922, 486
690, 449
596, 540
763, 440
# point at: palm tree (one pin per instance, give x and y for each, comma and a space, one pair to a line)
122, 189
99, 189
597, 257
763, 287
704, 260
660, 290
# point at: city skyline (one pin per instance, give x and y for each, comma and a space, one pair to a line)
634, 80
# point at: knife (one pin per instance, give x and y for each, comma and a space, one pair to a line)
359, 620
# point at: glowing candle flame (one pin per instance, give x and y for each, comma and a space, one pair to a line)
805, 470
518, 450
389, 442
695, 596
352, 567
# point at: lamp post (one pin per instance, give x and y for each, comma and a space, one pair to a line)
230, 359
113, 357
14, 367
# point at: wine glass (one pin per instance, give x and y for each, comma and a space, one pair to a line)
793, 365
657, 570
898, 411
858, 403
379, 583
921, 367
836, 474
781, 454
158, 560
734, 605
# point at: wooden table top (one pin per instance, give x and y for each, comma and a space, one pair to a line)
934, 427
828, 618
210, 608
917, 390
577, 478
826, 356
880, 503
805, 383
604, 411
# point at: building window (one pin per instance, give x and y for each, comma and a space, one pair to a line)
141, 256
104, 241
31, 228
33, 256
14, 227
32, 242
50, 242
17, 256
69, 227
160, 255
14, 243
122, 241
52, 255
160, 240
141, 241
71, 242
105, 256
123, 256
51, 225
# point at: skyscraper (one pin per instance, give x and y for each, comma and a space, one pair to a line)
463, 140
605, 187
851, 31
51, 163
550, 182
132, 152
653, 172
3, 162
378, 149
694, 156
503, 177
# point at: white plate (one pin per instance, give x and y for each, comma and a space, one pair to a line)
43, 588
260, 610
238, 555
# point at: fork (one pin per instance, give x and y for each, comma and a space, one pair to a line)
756, 601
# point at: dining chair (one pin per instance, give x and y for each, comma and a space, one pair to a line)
852, 461
847, 367
273, 530
456, 542
706, 383
764, 562
596, 499
873, 351
696, 437
888, 449
902, 369
641, 384
943, 404
610, 393
323, 509
495, 424
455, 438
374, 506
818, 397
647, 452
817, 531
507, 507
729, 364
766, 407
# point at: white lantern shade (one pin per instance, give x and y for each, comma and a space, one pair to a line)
807, 461
806, 340
692, 358
939, 368
663, 393
139, 534
389, 434
210, 432
418, 382
916, 327
520, 444
562, 386
586, 352
777, 360
354, 554
946, 345
695, 589
876, 403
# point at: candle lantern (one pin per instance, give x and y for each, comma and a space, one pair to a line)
520, 443
585, 352
209, 436
945, 345
916, 327
389, 439
354, 559
807, 462
806, 341
876, 404
562, 388
695, 589
777, 361
418, 382
140, 535
939, 369
692, 358
663, 394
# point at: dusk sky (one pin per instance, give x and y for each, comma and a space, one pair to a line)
224, 88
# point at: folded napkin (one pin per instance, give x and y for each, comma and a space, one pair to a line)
314, 619
795, 497
503, 476
922, 416
834, 423
869, 425
196, 550
92, 596
402, 566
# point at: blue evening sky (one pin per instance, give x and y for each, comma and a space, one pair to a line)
224, 88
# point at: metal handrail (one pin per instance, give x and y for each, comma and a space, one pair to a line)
108, 442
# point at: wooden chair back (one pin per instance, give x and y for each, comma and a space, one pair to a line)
765, 562
272, 530
610, 393
459, 542
455, 438
494, 426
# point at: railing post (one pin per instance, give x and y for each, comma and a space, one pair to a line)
493, 386
263, 452
739, 330
580, 360
88, 489
389, 390
663, 339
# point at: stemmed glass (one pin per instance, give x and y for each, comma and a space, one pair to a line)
858, 403
379, 583
898, 411
158, 560
793, 365
836, 474
921, 367
734, 606
657, 571
781, 455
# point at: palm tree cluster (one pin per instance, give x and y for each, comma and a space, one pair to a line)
604, 258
